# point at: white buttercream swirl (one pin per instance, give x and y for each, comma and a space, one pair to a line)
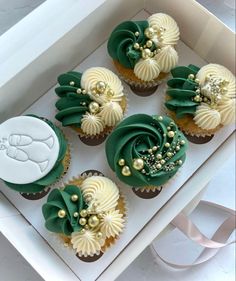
92, 124
226, 107
167, 58
112, 223
111, 113
206, 117
93, 75
86, 243
101, 191
171, 29
218, 71
147, 69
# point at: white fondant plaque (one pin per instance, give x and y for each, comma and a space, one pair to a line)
28, 149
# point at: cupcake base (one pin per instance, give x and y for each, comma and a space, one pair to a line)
36, 196
143, 92
199, 139
90, 258
92, 141
147, 193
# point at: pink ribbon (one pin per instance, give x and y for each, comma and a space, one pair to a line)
211, 246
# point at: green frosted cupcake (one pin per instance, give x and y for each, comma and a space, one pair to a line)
34, 154
92, 103
144, 52
149, 151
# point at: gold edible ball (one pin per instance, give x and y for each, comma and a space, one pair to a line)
101, 86
136, 46
197, 80
169, 154
83, 213
158, 166
82, 221
160, 118
182, 142
146, 53
126, 171
171, 134
149, 43
82, 231
74, 197
180, 162
61, 214
121, 162
162, 161
72, 83
149, 32
154, 148
191, 76
167, 144
110, 93
158, 156
177, 148
136, 33
138, 164
99, 235
93, 107
79, 91
93, 221
76, 214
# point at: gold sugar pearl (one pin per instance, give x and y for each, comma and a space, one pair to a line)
167, 144
93, 107
126, 171
99, 235
83, 213
121, 162
191, 76
146, 53
149, 32
149, 43
138, 164
171, 134
79, 91
82, 221
136, 46
93, 221
101, 86
76, 214
136, 33
158, 156
74, 197
61, 214
72, 83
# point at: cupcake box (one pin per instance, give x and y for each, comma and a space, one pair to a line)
77, 44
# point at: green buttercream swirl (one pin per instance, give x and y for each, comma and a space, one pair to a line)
134, 137
182, 91
122, 39
71, 105
54, 174
61, 200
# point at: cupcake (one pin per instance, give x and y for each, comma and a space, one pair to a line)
201, 100
144, 52
34, 154
148, 151
92, 103
88, 214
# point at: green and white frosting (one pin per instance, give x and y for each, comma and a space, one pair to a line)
207, 93
90, 101
148, 150
146, 46
86, 214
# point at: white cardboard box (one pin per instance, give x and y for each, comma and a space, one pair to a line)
73, 33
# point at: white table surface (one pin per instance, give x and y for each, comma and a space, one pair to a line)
221, 190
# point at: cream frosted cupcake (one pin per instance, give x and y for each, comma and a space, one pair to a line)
88, 213
92, 103
201, 100
144, 51
34, 154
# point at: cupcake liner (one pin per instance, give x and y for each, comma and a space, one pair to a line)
121, 206
187, 125
37, 195
148, 192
